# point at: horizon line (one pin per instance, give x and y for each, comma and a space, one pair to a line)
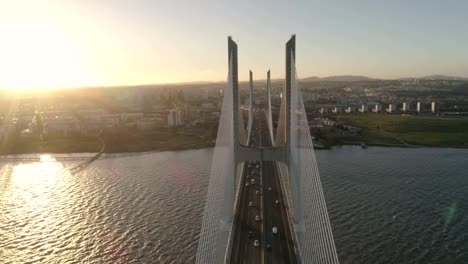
463, 78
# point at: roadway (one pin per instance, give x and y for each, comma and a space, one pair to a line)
263, 194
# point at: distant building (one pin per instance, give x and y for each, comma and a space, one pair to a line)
336, 110
364, 108
406, 107
434, 107
391, 108
146, 124
419, 107
5, 131
26, 133
208, 106
377, 108
174, 118
328, 122
63, 126
111, 121
91, 114
131, 116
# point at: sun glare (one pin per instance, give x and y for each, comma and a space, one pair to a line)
29, 175
41, 57
37, 52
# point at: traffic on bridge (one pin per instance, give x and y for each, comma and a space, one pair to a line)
262, 232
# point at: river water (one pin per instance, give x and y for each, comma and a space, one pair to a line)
386, 205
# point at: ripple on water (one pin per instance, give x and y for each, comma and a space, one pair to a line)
386, 205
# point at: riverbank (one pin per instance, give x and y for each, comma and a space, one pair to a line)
397, 131
116, 142
376, 130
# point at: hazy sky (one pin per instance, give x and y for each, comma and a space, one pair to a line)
76, 43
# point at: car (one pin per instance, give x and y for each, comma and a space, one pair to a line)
257, 192
269, 189
274, 230
252, 181
277, 202
258, 166
268, 247
250, 234
256, 243
257, 218
247, 184
251, 204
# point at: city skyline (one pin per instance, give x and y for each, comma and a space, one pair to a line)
112, 43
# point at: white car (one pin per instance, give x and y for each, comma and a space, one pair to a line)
251, 204
275, 230
257, 192
256, 243
257, 218
269, 189
277, 202
246, 184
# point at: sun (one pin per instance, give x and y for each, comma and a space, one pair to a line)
41, 57
40, 53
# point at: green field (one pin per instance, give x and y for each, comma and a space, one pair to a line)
386, 129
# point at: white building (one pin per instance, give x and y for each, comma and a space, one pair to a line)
364, 108
406, 107
328, 122
419, 107
434, 107
323, 110
174, 118
336, 110
391, 108
377, 108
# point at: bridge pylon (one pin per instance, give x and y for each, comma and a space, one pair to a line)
292, 150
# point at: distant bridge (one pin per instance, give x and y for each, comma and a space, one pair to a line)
265, 202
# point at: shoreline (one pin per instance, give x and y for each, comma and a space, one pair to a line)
112, 154
110, 143
385, 145
106, 153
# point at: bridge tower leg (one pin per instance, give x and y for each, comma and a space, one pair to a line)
293, 150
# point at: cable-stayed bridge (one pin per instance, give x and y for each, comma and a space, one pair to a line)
265, 202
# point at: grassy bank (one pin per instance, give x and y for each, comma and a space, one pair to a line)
161, 139
385, 129
117, 141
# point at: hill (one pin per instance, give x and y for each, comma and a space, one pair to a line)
443, 77
339, 78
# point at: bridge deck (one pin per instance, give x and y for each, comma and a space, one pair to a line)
247, 229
